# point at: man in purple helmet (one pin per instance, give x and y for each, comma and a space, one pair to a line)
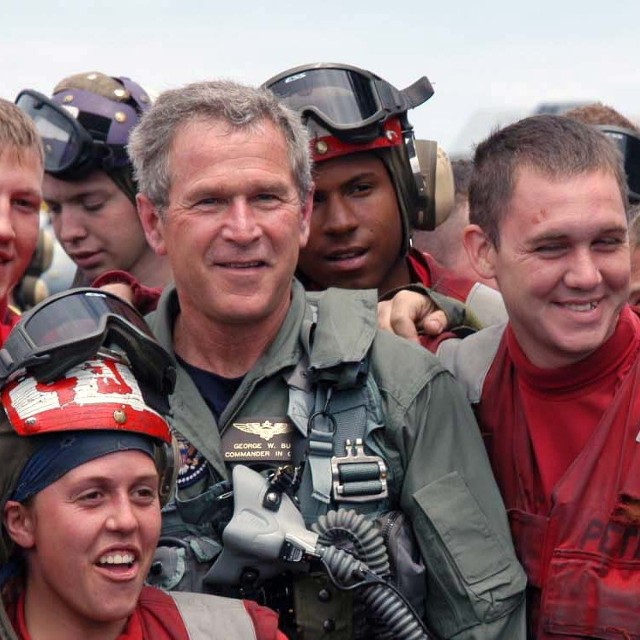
89, 186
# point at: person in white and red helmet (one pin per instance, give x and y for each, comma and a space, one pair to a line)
374, 183
89, 187
86, 460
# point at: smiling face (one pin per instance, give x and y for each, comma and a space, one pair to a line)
96, 224
356, 229
234, 224
20, 197
89, 540
562, 263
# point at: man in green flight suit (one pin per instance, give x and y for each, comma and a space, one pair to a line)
271, 377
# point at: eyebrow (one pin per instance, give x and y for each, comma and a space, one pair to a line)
29, 192
79, 197
279, 188
100, 479
365, 175
551, 236
222, 191
547, 237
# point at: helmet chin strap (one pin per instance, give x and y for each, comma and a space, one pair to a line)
123, 178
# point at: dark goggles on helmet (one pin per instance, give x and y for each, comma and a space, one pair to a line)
348, 102
73, 326
629, 144
70, 151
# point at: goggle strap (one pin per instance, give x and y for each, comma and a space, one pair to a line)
418, 92
111, 156
139, 97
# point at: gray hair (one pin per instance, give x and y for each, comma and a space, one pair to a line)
237, 105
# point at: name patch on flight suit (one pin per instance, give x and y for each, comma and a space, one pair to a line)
259, 439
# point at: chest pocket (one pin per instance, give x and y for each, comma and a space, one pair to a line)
477, 575
592, 597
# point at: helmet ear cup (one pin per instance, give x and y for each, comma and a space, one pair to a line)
168, 459
445, 187
437, 174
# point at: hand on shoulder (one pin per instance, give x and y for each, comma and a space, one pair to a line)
410, 314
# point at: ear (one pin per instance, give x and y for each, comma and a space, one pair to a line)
152, 224
305, 218
481, 251
19, 523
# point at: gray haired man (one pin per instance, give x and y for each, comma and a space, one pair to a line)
278, 380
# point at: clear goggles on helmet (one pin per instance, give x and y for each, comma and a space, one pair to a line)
73, 326
628, 142
69, 150
349, 102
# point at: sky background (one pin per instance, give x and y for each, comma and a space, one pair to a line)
488, 61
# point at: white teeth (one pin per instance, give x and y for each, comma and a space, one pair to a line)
345, 256
243, 265
585, 306
117, 558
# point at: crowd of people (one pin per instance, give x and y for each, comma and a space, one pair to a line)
480, 465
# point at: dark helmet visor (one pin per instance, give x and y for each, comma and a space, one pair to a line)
343, 98
629, 144
70, 151
347, 101
68, 328
66, 143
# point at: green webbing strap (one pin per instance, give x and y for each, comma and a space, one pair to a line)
322, 429
332, 396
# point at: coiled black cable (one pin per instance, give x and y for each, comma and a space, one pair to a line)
382, 600
344, 534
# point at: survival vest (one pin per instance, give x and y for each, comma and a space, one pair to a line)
582, 558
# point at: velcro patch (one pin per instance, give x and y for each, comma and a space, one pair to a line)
258, 440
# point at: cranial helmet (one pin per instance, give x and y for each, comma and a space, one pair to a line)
628, 142
86, 123
81, 377
350, 110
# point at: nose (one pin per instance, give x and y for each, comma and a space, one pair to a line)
68, 226
241, 224
337, 216
123, 516
584, 271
